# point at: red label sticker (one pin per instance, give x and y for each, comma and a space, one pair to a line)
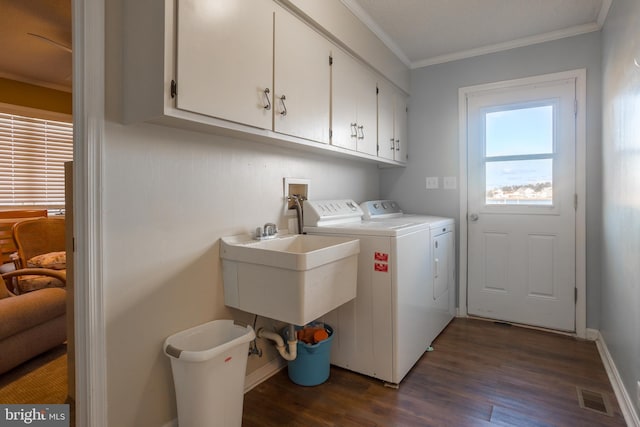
227, 359
381, 256
378, 266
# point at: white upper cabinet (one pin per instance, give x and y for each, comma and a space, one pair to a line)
224, 65
353, 105
302, 80
392, 123
250, 69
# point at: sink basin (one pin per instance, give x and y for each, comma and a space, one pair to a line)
294, 278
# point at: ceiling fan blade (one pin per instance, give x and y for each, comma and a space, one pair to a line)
54, 43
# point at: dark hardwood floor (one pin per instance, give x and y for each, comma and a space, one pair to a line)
480, 374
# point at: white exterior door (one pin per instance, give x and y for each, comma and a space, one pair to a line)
521, 208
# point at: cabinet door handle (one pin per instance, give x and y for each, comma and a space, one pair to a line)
354, 130
397, 145
393, 144
361, 129
284, 106
266, 95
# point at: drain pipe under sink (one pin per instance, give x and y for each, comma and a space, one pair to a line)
279, 342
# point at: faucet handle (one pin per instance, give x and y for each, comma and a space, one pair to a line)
270, 229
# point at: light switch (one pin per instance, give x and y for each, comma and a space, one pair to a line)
449, 182
432, 182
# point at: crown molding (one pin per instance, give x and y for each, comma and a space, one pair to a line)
367, 20
604, 11
512, 44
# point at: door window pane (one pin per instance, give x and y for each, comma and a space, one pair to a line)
519, 131
519, 182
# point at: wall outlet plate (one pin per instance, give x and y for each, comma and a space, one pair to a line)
432, 182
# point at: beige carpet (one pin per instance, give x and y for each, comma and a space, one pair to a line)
42, 379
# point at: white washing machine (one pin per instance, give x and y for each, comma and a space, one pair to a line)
385, 330
442, 255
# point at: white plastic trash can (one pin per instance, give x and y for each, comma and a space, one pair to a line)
209, 363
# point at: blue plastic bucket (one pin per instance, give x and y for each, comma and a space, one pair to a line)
312, 364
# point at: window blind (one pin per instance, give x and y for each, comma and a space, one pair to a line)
32, 156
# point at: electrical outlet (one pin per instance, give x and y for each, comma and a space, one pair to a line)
432, 182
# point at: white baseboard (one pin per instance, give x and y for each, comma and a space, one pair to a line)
172, 423
592, 334
624, 400
264, 373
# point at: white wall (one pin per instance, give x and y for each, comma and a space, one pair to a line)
621, 195
433, 132
168, 196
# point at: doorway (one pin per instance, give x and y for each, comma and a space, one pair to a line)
522, 202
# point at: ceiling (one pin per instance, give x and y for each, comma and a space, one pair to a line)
426, 32
420, 32
43, 58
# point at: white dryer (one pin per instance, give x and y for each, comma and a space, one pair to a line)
442, 256
385, 330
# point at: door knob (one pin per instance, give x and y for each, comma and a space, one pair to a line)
473, 217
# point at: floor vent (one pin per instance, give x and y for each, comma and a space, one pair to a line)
594, 401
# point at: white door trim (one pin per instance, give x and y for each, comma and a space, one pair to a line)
581, 282
88, 122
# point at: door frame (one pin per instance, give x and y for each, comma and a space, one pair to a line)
88, 145
580, 170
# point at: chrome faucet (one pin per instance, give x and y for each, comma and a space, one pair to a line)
268, 231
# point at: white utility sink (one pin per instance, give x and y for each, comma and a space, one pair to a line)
294, 278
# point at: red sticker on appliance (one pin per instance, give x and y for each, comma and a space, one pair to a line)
381, 256
228, 358
378, 266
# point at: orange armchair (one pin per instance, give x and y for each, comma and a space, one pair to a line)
41, 244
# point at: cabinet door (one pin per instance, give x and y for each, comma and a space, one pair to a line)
225, 59
386, 119
353, 104
367, 114
392, 123
344, 119
302, 90
401, 128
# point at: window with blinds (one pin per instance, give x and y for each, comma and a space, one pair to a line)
32, 156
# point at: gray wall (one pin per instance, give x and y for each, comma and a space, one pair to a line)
621, 195
433, 132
